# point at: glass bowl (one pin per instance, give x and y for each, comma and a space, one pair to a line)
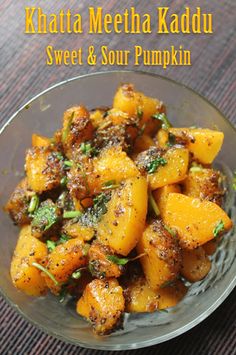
43, 115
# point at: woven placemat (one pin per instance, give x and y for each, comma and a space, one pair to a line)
24, 74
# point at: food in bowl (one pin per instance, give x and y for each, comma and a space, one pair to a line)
119, 209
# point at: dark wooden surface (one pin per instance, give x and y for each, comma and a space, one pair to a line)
24, 74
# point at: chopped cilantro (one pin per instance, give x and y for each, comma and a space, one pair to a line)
171, 231
34, 203
67, 129
76, 274
139, 112
71, 214
63, 181
218, 228
116, 260
63, 239
59, 156
45, 216
87, 149
48, 273
153, 204
68, 163
154, 164
162, 117
111, 184
50, 245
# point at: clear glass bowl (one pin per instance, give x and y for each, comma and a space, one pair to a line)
43, 115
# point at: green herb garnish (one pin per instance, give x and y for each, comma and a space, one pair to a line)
51, 245
59, 156
34, 203
71, 214
64, 181
139, 112
87, 149
218, 228
165, 122
171, 231
45, 216
111, 184
67, 129
116, 260
76, 274
48, 273
153, 204
93, 214
63, 239
154, 164
68, 163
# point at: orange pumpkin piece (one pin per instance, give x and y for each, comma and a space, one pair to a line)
161, 262
175, 169
195, 264
195, 221
64, 260
24, 275
102, 304
40, 141
203, 143
123, 224
160, 195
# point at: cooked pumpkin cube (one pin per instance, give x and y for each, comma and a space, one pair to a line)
171, 295
77, 128
78, 230
114, 164
164, 167
123, 224
63, 261
161, 263
102, 304
173, 171
140, 297
90, 176
43, 169
98, 116
195, 221
25, 276
143, 143
204, 144
160, 195
162, 138
18, 203
135, 103
204, 184
211, 246
40, 141
83, 181
195, 264
99, 263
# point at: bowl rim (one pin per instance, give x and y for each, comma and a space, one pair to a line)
143, 343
